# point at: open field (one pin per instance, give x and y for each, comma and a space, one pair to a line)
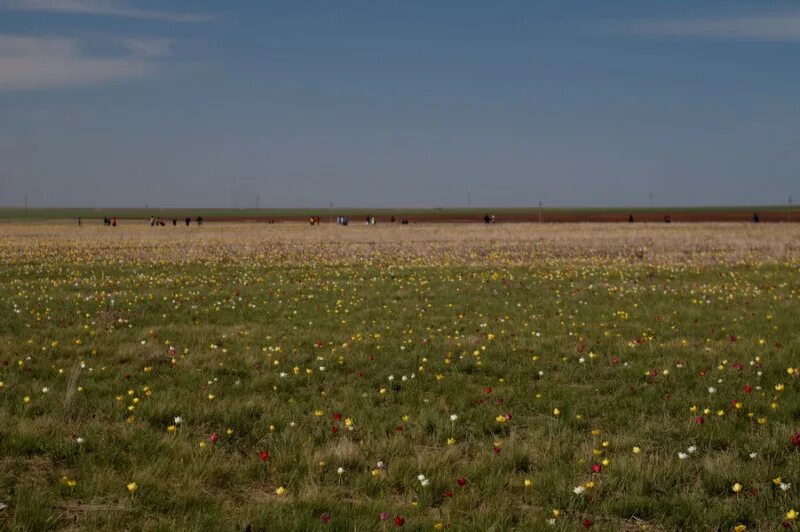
468, 377
767, 213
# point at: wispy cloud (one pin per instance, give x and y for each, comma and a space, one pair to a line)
45, 63
113, 8
761, 27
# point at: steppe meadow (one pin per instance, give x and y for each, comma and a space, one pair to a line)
422, 377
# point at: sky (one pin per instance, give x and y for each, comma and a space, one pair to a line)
398, 104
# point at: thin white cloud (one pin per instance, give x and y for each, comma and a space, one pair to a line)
147, 47
112, 8
47, 63
773, 27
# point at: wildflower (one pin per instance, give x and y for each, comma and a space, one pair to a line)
132, 487
461, 481
527, 483
325, 518
682, 456
736, 488
636, 450
340, 470
791, 515
453, 417
578, 490
213, 437
399, 520
264, 455
280, 490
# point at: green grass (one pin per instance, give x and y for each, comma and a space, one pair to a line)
403, 347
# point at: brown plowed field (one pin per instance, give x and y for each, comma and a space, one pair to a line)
548, 217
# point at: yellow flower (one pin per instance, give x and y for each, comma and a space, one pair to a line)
438, 526
527, 483
500, 419
229, 431
556, 513
791, 515
171, 428
556, 412
777, 481
451, 441
736, 488
637, 450
133, 486
739, 528
280, 490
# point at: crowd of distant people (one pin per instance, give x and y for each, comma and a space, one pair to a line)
157, 221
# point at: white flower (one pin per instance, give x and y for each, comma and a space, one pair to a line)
691, 449
292, 424
551, 521
453, 417
283, 375
785, 486
178, 420
380, 464
578, 490
45, 389
404, 378
581, 360
340, 470
391, 377
711, 389
425, 482
753, 455
420, 477
322, 368
79, 440
683, 456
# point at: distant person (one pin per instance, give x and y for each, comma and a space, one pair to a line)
79, 222
114, 221
174, 222
486, 219
152, 221
667, 219
188, 221
199, 220
755, 218
392, 219
630, 218
492, 219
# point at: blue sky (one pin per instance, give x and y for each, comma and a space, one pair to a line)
413, 103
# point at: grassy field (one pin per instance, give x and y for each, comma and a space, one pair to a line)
529, 377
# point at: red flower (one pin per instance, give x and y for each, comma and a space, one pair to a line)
461, 481
264, 455
214, 437
448, 493
587, 523
699, 420
334, 429
615, 361
496, 449
488, 389
325, 518
399, 428
399, 520
596, 468
796, 439
748, 388
337, 416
